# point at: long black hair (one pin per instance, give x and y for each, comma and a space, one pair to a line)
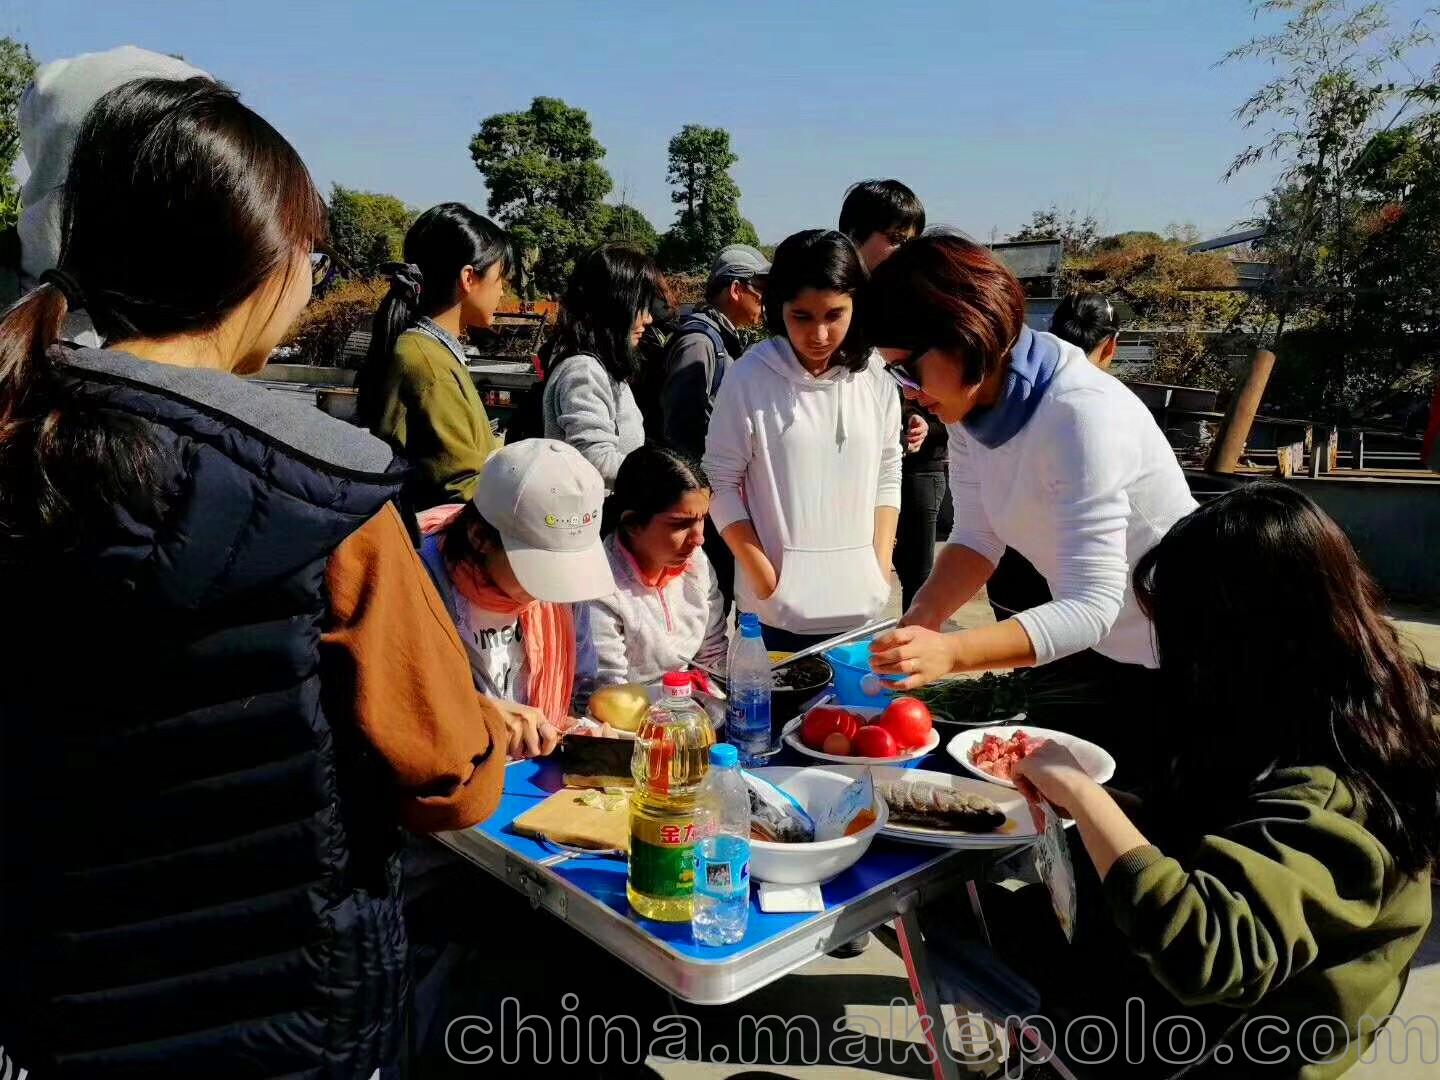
1085, 319
442, 242
180, 204
1274, 644
651, 479
821, 259
607, 291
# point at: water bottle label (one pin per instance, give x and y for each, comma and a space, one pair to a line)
722, 877
747, 724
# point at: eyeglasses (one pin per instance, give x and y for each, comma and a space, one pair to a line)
321, 266
904, 375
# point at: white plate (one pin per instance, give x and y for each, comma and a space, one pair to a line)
1019, 827
1095, 760
791, 735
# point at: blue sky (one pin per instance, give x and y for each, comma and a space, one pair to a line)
988, 109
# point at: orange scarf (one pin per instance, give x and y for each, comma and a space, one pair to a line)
547, 630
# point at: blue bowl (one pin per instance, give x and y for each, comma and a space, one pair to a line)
853, 675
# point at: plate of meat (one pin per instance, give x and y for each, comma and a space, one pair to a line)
991, 753
945, 810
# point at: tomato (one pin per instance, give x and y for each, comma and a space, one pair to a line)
909, 721
825, 720
837, 743
874, 741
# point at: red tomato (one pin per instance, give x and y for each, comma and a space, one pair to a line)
909, 721
825, 720
874, 741
837, 743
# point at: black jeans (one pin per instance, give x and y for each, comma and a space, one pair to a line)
777, 640
721, 558
921, 494
1015, 586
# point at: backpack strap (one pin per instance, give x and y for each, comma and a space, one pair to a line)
698, 324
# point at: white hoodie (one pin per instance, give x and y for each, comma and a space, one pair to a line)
807, 461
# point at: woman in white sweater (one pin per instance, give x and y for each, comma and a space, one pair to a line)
666, 609
804, 454
1048, 455
590, 360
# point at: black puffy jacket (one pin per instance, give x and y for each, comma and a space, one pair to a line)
196, 875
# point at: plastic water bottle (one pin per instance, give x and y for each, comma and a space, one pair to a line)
747, 716
722, 857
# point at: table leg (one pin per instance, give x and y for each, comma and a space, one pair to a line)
927, 997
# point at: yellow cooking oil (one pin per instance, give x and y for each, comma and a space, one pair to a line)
672, 754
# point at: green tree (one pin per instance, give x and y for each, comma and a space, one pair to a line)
1079, 233
542, 169
367, 228
626, 223
17, 71
1352, 223
708, 198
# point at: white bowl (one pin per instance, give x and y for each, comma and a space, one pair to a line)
791, 734
1095, 760
807, 864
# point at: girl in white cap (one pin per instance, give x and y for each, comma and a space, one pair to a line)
509, 565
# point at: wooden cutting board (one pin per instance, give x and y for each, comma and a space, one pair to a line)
578, 817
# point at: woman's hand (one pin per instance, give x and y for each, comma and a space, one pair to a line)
1050, 772
916, 432
920, 654
531, 735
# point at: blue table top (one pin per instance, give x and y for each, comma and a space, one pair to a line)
528, 783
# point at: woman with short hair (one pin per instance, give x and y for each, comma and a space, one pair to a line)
1048, 455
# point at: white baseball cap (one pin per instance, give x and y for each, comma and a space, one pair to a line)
544, 500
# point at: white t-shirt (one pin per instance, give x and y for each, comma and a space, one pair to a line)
494, 643
1083, 490
496, 647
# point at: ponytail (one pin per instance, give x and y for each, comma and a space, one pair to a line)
441, 243
396, 314
64, 464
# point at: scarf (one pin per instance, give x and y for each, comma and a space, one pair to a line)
547, 630
666, 576
1033, 362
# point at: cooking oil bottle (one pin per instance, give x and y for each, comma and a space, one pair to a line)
672, 751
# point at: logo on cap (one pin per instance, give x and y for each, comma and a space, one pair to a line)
574, 521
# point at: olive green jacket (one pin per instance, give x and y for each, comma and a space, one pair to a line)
431, 413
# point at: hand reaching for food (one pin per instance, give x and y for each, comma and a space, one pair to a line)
919, 654
1051, 772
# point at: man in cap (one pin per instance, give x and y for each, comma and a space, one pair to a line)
706, 342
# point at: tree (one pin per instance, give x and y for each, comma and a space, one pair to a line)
625, 223
367, 229
708, 198
17, 71
1352, 223
1079, 233
542, 169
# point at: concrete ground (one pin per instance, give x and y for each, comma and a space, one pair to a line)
870, 993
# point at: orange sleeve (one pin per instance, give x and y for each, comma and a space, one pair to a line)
391, 646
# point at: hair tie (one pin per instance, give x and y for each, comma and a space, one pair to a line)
405, 275
68, 286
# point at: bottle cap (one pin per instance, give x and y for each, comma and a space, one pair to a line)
750, 626
677, 683
724, 756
